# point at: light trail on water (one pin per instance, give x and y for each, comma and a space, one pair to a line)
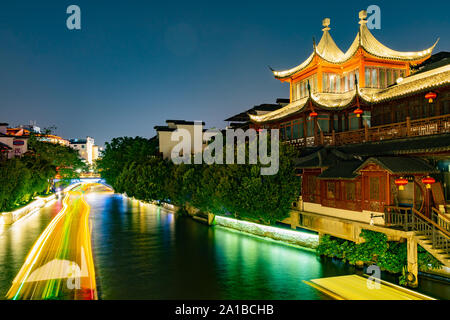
60, 264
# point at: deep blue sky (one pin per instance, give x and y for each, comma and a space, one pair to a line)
135, 63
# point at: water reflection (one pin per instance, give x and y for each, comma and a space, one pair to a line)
145, 252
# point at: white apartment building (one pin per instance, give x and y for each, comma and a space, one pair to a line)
165, 132
86, 149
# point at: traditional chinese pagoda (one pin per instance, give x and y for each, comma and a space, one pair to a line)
373, 127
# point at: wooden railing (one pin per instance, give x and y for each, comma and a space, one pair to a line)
440, 218
409, 219
408, 128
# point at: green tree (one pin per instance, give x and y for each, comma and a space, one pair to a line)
21, 179
121, 152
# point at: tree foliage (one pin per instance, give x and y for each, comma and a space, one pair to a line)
21, 179
119, 155
129, 165
376, 249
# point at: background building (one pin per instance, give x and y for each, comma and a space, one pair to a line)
164, 134
27, 130
86, 149
12, 145
242, 120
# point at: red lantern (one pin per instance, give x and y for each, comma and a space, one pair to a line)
358, 112
313, 114
428, 181
401, 182
430, 96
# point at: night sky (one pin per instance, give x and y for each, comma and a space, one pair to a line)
135, 64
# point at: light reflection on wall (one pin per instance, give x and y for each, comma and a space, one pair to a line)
300, 238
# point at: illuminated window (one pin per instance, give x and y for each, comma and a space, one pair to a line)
331, 190
396, 75
300, 128
374, 188
367, 79
350, 191
295, 130
288, 132
310, 128
323, 122
374, 77
381, 77
348, 80
312, 184
353, 121
300, 88
331, 82
283, 133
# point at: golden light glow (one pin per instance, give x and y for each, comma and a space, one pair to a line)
418, 82
328, 51
60, 264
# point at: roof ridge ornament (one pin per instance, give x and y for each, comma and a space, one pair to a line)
362, 17
326, 24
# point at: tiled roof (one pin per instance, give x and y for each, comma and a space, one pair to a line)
266, 107
330, 156
164, 128
400, 165
329, 51
4, 146
183, 122
342, 170
409, 145
321, 158
424, 81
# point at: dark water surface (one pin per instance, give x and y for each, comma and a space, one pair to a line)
146, 252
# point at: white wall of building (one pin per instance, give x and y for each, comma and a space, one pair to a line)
165, 138
85, 148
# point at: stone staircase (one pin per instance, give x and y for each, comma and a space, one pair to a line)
442, 254
432, 233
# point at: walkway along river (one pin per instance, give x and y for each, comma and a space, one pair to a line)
145, 252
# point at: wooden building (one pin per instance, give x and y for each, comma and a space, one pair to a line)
372, 124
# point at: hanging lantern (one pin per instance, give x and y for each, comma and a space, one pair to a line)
401, 182
358, 112
430, 96
313, 114
428, 181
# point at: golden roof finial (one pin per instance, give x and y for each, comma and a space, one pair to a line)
362, 17
326, 24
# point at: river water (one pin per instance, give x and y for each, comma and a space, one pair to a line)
145, 252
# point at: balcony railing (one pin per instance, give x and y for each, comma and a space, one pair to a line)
408, 128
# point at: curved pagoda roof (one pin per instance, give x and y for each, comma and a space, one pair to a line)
413, 84
328, 50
